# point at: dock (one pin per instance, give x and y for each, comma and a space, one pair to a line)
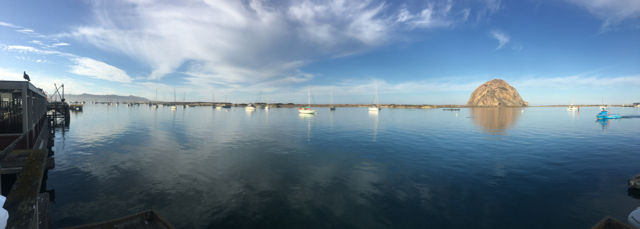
25, 140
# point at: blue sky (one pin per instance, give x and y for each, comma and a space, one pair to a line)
420, 52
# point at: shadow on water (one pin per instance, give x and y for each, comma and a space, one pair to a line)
633, 193
494, 120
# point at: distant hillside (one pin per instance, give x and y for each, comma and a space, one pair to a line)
103, 98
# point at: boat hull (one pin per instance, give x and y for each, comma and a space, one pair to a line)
374, 108
612, 116
307, 111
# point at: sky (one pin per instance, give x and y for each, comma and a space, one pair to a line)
416, 52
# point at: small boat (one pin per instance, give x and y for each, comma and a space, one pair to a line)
610, 222
173, 107
145, 219
634, 182
307, 109
250, 107
267, 107
375, 106
572, 107
604, 114
331, 107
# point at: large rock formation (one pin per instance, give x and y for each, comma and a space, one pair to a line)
496, 93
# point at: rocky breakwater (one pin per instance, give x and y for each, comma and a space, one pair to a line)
496, 93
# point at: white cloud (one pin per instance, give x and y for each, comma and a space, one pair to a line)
82, 65
27, 49
96, 69
60, 44
612, 12
499, 35
8, 25
27, 31
249, 42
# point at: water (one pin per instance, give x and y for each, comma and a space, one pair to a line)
397, 168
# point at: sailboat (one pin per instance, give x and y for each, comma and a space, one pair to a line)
173, 107
259, 103
572, 107
267, 107
226, 105
184, 100
331, 107
375, 106
307, 109
213, 102
155, 104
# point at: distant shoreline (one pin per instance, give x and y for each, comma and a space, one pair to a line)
389, 106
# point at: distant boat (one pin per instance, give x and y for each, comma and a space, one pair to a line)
331, 107
250, 107
375, 106
573, 107
173, 107
267, 106
184, 100
259, 103
604, 114
307, 109
226, 105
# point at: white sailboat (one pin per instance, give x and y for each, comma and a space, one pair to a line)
173, 107
331, 107
307, 109
572, 107
267, 107
375, 106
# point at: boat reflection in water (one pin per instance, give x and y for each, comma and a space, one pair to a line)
494, 120
308, 118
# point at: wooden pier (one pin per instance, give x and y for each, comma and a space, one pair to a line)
25, 151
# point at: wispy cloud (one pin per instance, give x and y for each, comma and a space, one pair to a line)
499, 35
8, 25
27, 31
100, 70
250, 42
612, 12
82, 65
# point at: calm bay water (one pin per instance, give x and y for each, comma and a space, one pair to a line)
349, 168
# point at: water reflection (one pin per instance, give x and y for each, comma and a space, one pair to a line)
307, 117
495, 121
374, 115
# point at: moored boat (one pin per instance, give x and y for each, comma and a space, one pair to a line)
375, 106
307, 109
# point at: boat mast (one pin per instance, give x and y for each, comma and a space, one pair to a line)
332, 96
309, 97
375, 98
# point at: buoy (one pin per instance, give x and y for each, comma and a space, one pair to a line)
634, 218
